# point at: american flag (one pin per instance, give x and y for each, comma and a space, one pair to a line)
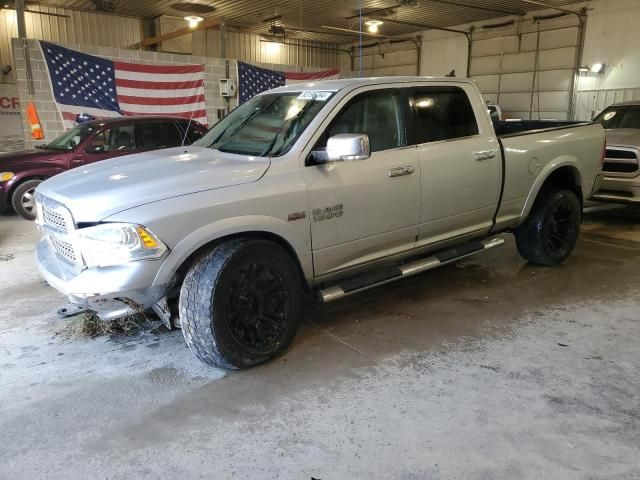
253, 80
84, 83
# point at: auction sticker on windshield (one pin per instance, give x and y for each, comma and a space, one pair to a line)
315, 95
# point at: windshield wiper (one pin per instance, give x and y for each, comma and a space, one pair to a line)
292, 123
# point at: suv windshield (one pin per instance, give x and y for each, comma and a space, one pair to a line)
71, 139
620, 117
267, 124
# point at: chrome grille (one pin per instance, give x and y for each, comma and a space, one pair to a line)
63, 248
53, 218
621, 160
59, 228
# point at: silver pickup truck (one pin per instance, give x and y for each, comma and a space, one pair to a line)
325, 189
621, 169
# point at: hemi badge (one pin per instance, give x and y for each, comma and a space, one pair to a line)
296, 216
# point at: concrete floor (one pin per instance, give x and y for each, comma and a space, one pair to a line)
488, 369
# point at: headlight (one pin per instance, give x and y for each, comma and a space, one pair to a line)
116, 243
6, 176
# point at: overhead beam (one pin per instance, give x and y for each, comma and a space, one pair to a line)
419, 25
476, 7
206, 23
553, 7
358, 32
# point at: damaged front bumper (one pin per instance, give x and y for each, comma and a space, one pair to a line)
111, 292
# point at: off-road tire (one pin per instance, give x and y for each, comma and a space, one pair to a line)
550, 233
209, 322
17, 199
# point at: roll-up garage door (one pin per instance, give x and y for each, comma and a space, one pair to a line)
528, 68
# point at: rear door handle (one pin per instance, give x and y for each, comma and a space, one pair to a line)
401, 171
484, 155
77, 159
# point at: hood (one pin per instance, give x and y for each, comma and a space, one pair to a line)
97, 191
25, 157
624, 137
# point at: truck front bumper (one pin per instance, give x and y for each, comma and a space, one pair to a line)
111, 292
619, 190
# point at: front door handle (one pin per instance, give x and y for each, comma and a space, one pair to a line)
484, 155
401, 171
77, 159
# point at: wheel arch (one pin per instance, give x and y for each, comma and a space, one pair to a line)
559, 175
182, 256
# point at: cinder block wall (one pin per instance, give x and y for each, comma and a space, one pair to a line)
214, 70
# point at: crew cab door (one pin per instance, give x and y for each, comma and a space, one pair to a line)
365, 209
460, 162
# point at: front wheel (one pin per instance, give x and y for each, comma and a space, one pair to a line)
23, 199
240, 303
550, 233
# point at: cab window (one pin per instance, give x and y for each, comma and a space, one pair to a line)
376, 114
441, 113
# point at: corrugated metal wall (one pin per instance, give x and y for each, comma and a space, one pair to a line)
592, 102
251, 48
386, 59
87, 28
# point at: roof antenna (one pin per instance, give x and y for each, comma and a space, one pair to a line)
452, 73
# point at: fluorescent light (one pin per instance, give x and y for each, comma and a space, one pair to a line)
584, 69
193, 21
372, 25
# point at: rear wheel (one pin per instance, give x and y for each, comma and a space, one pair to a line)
23, 199
240, 303
550, 233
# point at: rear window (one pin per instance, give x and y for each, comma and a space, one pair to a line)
620, 117
442, 113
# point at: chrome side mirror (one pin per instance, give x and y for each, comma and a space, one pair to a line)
347, 147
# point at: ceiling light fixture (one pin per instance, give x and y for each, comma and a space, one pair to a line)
372, 25
193, 20
597, 68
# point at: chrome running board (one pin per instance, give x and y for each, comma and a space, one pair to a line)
376, 278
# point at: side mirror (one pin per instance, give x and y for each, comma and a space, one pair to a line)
347, 147
95, 149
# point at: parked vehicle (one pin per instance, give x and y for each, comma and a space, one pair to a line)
621, 182
21, 172
329, 188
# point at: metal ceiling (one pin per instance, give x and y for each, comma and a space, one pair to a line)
305, 19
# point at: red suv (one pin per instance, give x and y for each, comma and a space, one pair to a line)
21, 172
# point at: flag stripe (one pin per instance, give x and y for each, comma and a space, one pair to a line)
158, 69
125, 83
305, 76
198, 115
138, 92
161, 109
140, 100
154, 77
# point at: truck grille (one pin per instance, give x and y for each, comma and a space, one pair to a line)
64, 249
54, 219
621, 160
58, 226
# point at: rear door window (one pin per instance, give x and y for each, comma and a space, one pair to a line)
157, 135
115, 139
441, 113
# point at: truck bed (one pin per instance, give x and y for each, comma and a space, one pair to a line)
523, 127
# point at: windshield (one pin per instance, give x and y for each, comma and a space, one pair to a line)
71, 139
267, 124
620, 117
